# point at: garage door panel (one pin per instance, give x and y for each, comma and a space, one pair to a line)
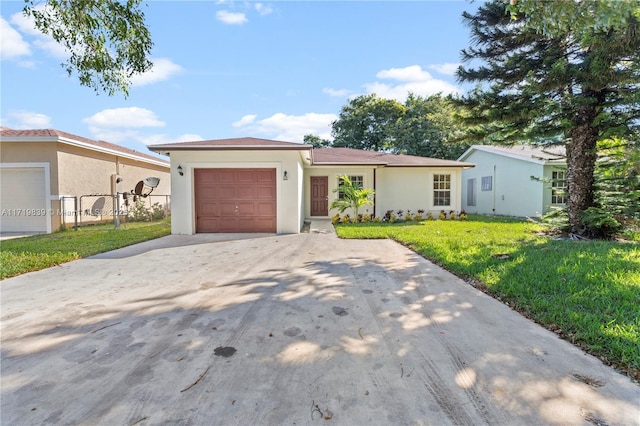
265, 192
225, 192
247, 193
265, 176
208, 209
265, 209
238, 200
247, 176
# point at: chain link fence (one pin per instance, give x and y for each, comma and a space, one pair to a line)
92, 209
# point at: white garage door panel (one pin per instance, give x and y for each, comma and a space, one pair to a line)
23, 200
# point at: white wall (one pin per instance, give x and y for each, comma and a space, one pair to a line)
289, 209
514, 192
411, 188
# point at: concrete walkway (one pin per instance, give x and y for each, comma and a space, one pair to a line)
295, 329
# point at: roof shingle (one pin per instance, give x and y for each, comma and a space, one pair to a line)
53, 133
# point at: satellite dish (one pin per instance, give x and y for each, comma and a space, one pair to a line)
139, 187
152, 182
146, 186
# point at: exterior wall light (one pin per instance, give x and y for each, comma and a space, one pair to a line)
285, 176
180, 172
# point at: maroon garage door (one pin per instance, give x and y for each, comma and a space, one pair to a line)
235, 200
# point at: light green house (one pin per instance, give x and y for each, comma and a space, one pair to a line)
521, 180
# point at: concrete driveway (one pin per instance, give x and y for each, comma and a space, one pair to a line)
296, 329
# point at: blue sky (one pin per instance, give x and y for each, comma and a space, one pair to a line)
275, 70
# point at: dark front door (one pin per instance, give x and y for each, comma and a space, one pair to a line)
319, 195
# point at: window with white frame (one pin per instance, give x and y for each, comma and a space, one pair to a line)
441, 190
559, 187
487, 183
356, 180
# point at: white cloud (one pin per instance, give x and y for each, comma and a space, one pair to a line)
290, 128
447, 68
163, 68
409, 79
46, 43
189, 137
263, 9
117, 118
336, 92
410, 73
231, 18
12, 44
159, 138
245, 120
27, 120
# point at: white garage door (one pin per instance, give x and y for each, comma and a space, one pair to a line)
23, 199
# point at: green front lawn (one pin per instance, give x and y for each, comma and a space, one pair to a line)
36, 252
588, 292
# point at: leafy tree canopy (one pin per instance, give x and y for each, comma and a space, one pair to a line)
107, 40
422, 126
316, 141
559, 16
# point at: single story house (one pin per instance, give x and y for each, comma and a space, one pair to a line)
521, 180
39, 168
261, 185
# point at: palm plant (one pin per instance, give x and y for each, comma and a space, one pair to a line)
353, 197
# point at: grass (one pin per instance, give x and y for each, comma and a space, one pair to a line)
588, 292
21, 255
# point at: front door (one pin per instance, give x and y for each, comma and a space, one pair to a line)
319, 196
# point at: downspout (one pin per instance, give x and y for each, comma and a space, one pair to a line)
374, 191
494, 189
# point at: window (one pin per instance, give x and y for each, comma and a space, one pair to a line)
471, 192
441, 190
558, 187
487, 183
356, 180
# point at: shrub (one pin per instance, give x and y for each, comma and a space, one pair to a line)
157, 212
335, 218
600, 223
139, 212
429, 216
442, 215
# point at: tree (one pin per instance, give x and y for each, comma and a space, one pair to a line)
428, 128
423, 126
572, 89
107, 40
352, 196
316, 141
366, 122
557, 16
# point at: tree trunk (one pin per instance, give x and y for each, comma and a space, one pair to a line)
581, 161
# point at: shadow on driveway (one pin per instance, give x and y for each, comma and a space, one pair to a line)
294, 329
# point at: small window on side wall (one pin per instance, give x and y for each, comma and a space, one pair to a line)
487, 183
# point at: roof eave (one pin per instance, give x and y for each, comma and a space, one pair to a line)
80, 144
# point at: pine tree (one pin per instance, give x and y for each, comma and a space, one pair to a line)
564, 89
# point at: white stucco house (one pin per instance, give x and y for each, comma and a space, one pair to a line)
521, 180
261, 185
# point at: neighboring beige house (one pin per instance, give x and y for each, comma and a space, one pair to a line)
260, 185
521, 181
39, 167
